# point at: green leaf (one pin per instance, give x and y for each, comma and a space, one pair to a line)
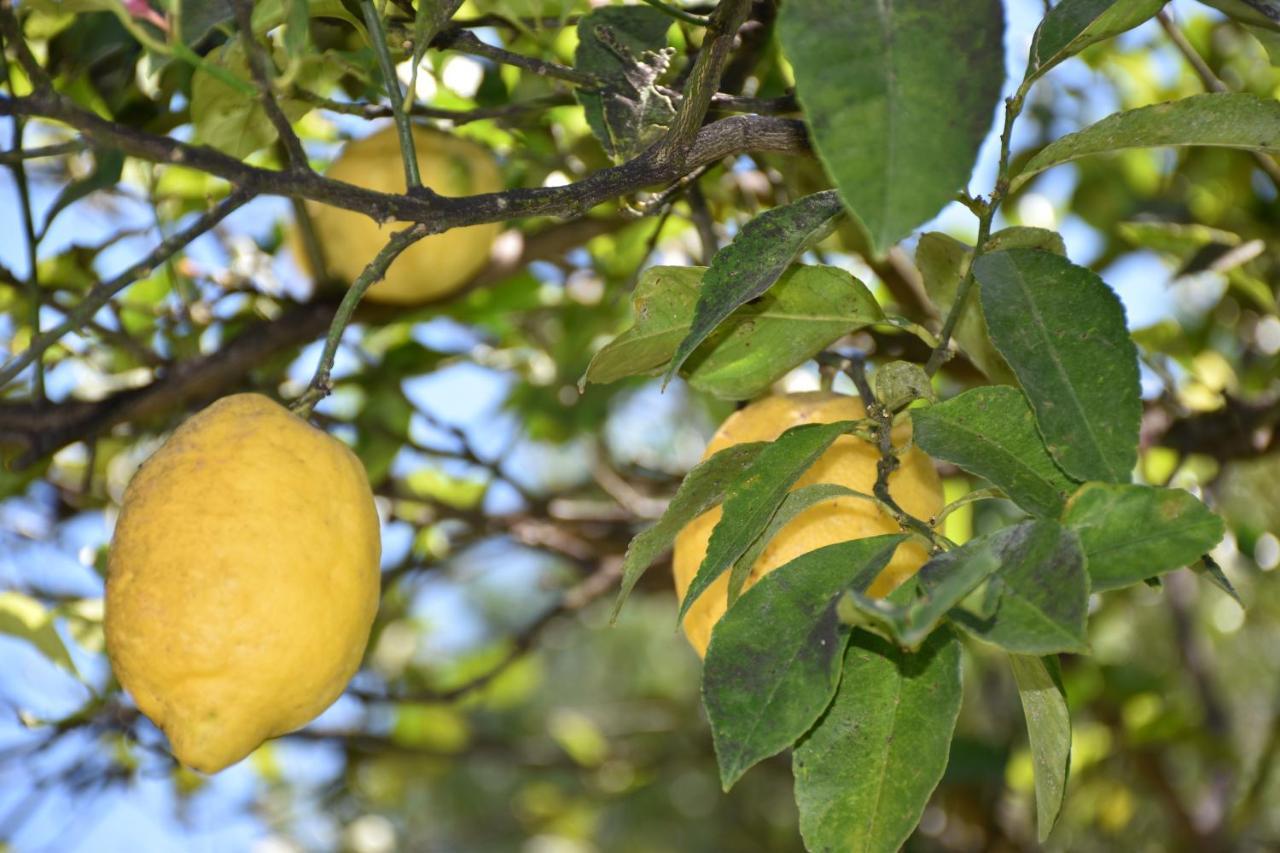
792, 505
897, 127
754, 498
1043, 592
1226, 120
223, 116
947, 579
1270, 40
1072, 25
195, 18
107, 166
901, 383
991, 432
807, 309
1131, 533
1174, 238
943, 262
1209, 569
1026, 237
774, 659
1259, 13
625, 49
865, 773
1044, 703
269, 14
757, 257
703, 487
297, 28
23, 617
1063, 332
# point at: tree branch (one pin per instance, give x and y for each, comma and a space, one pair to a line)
101, 294
319, 387
464, 41
36, 432
704, 79
724, 138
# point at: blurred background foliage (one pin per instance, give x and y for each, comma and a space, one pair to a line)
497, 709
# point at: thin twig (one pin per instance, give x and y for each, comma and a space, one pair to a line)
888, 462
378, 40
35, 295
987, 211
719, 139
13, 36
319, 386
458, 117
599, 582
464, 41
704, 79
61, 149
101, 294
258, 66
679, 14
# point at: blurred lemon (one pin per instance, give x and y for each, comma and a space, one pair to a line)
849, 462
243, 579
435, 266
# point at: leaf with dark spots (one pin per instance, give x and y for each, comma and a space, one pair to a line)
1130, 533
774, 659
702, 488
1043, 591
992, 432
865, 773
753, 499
757, 257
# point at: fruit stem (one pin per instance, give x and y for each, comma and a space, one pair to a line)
320, 386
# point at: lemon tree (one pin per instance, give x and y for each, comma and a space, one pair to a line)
355, 353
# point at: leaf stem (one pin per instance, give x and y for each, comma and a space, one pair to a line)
679, 14
319, 386
378, 38
986, 214
888, 462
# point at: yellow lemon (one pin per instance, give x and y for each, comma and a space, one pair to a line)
243, 579
849, 462
433, 267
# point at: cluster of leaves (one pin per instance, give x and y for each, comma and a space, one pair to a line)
867, 691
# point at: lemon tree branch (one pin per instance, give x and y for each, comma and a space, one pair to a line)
319, 387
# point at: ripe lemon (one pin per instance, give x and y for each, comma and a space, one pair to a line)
850, 462
242, 580
433, 267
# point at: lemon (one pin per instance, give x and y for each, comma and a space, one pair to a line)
242, 580
435, 266
849, 462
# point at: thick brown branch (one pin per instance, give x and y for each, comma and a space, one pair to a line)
720, 139
704, 79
